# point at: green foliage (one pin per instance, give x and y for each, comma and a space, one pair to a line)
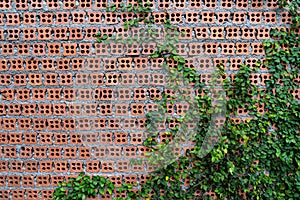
101, 38
293, 8
258, 157
82, 187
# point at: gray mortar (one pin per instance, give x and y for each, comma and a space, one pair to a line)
247, 24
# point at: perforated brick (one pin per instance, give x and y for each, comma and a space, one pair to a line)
285, 18
46, 18
192, 17
228, 48
272, 4
242, 48
211, 48
249, 33
255, 17
207, 17
71, 104
239, 17
12, 19
257, 48
159, 17
13, 34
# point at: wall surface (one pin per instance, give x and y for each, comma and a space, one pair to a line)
69, 104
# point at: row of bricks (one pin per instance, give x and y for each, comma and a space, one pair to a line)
84, 124
88, 124
121, 137
88, 33
61, 109
108, 94
161, 4
109, 79
88, 138
63, 33
111, 64
54, 124
95, 138
26, 194
87, 109
88, 49
46, 18
83, 79
52, 180
95, 124
135, 109
99, 124
88, 94
61, 138
107, 137
90, 109
43, 152
95, 79
75, 64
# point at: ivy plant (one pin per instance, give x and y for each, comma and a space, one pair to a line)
257, 157
82, 187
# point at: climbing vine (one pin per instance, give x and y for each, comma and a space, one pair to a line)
255, 158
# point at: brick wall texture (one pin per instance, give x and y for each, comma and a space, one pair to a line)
69, 104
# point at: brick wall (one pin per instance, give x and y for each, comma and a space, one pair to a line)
68, 104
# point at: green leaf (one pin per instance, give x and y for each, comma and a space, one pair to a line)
109, 190
104, 37
101, 191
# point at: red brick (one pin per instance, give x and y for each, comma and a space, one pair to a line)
285, 18
270, 17
175, 17
239, 17
28, 181
242, 48
4, 193
52, 5
25, 123
255, 17
44, 129
207, 17
241, 4
60, 33
249, 33
13, 19
110, 18
272, 4
223, 17
57, 179
107, 166
13, 34
7, 49
123, 166
13, 180
31, 166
